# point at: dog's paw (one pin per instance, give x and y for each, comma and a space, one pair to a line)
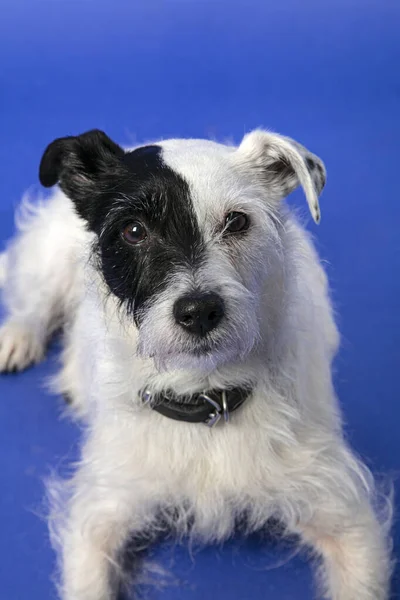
19, 347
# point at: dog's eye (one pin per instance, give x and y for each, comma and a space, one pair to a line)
134, 233
236, 222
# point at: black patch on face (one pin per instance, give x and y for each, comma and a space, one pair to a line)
110, 189
159, 198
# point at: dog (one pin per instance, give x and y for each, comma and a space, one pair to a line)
199, 339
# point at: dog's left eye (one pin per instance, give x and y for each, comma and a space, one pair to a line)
236, 222
134, 233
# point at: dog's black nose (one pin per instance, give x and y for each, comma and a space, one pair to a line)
199, 313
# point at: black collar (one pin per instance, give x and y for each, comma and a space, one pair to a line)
205, 407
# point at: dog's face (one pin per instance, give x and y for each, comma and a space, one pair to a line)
190, 235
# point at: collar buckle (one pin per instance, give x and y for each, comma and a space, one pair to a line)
218, 411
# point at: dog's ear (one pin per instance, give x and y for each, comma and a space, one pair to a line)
284, 165
80, 164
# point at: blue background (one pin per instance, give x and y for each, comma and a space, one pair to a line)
324, 72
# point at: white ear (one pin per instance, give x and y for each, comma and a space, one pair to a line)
284, 165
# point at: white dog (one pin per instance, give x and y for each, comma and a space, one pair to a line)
199, 338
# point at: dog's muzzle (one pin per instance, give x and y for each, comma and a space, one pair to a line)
206, 407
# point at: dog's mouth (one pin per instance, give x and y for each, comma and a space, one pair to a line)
202, 348
198, 350
190, 352
203, 354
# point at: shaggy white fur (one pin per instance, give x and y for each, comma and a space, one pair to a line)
282, 455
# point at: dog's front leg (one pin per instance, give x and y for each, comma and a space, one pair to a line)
103, 513
90, 567
341, 525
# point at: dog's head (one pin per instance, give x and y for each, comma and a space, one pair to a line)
189, 234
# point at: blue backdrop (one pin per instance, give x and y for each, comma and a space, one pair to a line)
325, 72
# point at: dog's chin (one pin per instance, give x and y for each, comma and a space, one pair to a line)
199, 360
188, 361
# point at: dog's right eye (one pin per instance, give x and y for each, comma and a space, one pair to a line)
236, 222
134, 233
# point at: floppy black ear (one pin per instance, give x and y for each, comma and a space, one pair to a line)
284, 164
80, 164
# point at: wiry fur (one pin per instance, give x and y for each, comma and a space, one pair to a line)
281, 457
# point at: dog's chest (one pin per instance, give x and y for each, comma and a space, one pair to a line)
193, 459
